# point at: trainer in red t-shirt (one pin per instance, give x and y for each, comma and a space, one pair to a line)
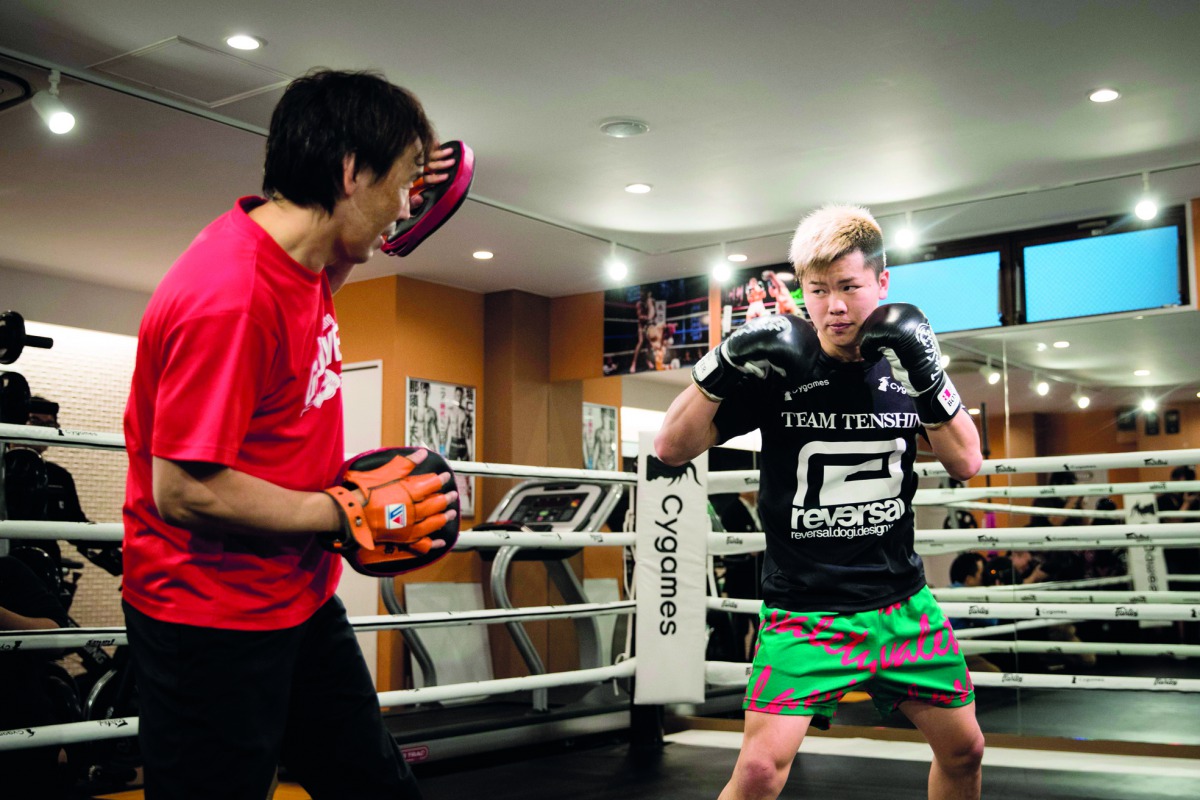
238, 364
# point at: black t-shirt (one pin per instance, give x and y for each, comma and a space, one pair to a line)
836, 485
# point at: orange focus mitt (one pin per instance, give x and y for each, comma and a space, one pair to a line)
408, 503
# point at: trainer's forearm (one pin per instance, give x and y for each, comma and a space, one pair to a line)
199, 496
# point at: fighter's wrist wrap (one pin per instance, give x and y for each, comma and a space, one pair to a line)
715, 377
938, 404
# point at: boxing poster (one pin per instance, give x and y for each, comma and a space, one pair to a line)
672, 545
599, 437
441, 416
655, 326
759, 292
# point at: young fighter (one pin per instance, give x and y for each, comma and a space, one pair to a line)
840, 404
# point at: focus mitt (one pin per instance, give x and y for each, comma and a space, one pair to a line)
406, 507
440, 201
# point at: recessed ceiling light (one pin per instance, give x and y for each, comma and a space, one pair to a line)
1141, 373
482, 255
973, 411
638, 188
1041, 347
243, 41
1140, 316
737, 258
1104, 95
623, 128
1062, 345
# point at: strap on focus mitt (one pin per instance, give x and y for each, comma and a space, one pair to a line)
441, 200
406, 508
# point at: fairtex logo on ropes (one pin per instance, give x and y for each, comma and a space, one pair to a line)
397, 516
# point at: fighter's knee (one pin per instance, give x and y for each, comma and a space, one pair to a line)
759, 776
965, 757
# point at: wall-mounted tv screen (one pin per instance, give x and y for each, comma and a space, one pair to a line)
956, 294
1103, 274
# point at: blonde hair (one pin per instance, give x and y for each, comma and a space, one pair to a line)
833, 231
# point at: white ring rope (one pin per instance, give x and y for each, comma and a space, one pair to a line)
1179, 534
730, 673
1037, 511
744, 480
60, 638
1082, 583
935, 497
467, 540
997, 610
34, 435
981, 646
73, 732
1009, 627
1000, 594
1018, 680
432, 694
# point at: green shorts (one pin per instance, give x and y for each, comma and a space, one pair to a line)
805, 662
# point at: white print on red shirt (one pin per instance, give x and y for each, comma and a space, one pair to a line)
323, 383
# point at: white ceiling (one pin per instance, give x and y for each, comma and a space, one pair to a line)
974, 115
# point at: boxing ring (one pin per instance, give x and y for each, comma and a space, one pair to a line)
663, 594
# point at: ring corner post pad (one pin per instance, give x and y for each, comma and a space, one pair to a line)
672, 543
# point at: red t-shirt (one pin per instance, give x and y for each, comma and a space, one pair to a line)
239, 364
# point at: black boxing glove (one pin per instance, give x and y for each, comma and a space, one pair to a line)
900, 333
778, 344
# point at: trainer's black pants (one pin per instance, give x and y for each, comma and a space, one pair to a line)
220, 709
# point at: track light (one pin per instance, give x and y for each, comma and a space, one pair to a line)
617, 269
906, 237
1040, 386
51, 109
990, 373
1146, 208
1149, 404
1081, 398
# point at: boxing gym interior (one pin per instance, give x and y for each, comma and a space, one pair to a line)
639, 171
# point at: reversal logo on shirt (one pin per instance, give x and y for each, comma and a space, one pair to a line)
323, 382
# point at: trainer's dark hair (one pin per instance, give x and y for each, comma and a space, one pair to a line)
327, 115
965, 566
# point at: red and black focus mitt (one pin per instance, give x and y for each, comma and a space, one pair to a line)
439, 202
407, 506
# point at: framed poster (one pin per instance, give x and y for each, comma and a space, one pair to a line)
599, 437
441, 416
759, 292
655, 326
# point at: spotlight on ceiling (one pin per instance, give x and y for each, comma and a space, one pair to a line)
1146, 208
1149, 404
244, 41
1104, 95
990, 373
1040, 386
1081, 398
51, 109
